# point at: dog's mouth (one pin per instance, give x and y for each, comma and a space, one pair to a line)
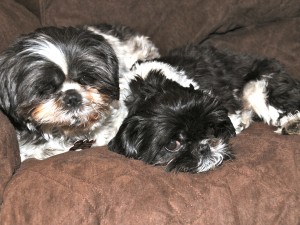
219, 152
208, 163
67, 109
70, 124
54, 113
207, 157
82, 117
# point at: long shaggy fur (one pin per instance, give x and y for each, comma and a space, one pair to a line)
61, 85
184, 107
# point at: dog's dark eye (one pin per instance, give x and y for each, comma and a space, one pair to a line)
86, 79
47, 90
210, 131
82, 79
173, 146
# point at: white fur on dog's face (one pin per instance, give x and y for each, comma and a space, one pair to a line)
42, 46
53, 112
217, 154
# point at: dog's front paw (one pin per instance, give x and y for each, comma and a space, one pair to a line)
292, 127
290, 124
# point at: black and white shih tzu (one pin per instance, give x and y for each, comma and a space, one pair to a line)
60, 86
184, 107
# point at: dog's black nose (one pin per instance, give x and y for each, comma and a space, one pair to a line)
72, 98
202, 150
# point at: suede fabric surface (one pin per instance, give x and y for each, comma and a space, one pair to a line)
169, 23
15, 19
278, 40
9, 151
96, 186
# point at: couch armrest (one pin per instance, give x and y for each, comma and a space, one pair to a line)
14, 20
9, 152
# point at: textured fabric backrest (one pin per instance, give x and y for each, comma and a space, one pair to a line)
15, 19
170, 23
34, 6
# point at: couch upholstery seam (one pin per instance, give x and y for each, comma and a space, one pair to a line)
42, 12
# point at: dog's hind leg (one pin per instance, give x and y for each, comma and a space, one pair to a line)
274, 110
290, 124
276, 100
284, 93
273, 95
255, 99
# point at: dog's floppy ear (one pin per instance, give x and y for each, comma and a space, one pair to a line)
143, 89
128, 139
9, 68
223, 126
225, 130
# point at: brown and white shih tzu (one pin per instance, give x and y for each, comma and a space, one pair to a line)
60, 86
184, 107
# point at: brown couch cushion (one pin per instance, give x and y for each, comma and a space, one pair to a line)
97, 186
14, 20
33, 6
